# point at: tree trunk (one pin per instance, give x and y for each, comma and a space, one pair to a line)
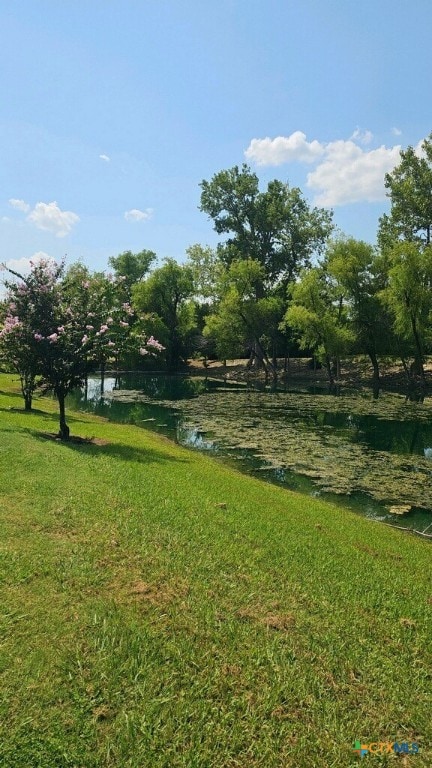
102, 378
375, 366
406, 369
27, 387
329, 370
418, 359
64, 429
274, 356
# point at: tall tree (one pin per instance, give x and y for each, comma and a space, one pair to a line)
275, 229
358, 272
409, 187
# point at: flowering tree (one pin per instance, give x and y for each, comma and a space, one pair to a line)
19, 347
57, 323
111, 328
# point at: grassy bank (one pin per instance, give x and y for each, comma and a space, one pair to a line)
160, 610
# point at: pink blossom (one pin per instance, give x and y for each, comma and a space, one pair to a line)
111, 344
123, 324
12, 306
151, 342
143, 351
110, 321
127, 308
52, 338
61, 329
89, 327
11, 322
86, 284
84, 339
38, 336
90, 314
103, 328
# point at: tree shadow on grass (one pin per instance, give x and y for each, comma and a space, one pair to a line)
8, 393
37, 412
100, 448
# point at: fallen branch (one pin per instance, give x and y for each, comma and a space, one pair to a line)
408, 530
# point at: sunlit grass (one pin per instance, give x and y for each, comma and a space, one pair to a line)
159, 609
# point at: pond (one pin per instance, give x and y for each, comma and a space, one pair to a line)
371, 454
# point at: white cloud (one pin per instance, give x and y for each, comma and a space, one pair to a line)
19, 205
345, 172
284, 149
105, 158
23, 265
396, 131
135, 215
363, 137
349, 174
49, 217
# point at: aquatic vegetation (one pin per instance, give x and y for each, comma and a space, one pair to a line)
344, 445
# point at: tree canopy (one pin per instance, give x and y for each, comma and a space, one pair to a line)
409, 187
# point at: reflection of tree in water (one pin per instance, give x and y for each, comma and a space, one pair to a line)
163, 387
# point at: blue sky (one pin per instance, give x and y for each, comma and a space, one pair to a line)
112, 113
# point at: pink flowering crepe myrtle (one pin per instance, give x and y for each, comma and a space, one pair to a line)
46, 331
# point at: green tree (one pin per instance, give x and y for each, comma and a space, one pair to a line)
167, 294
358, 272
206, 270
408, 296
241, 317
132, 267
275, 230
276, 227
409, 187
318, 317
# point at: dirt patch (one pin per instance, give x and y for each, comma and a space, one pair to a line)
367, 549
157, 594
276, 621
356, 371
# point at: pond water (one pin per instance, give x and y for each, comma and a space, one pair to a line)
371, 454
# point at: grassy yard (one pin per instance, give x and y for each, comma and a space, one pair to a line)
160, 610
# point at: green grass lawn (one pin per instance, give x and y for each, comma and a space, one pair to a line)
159, 609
